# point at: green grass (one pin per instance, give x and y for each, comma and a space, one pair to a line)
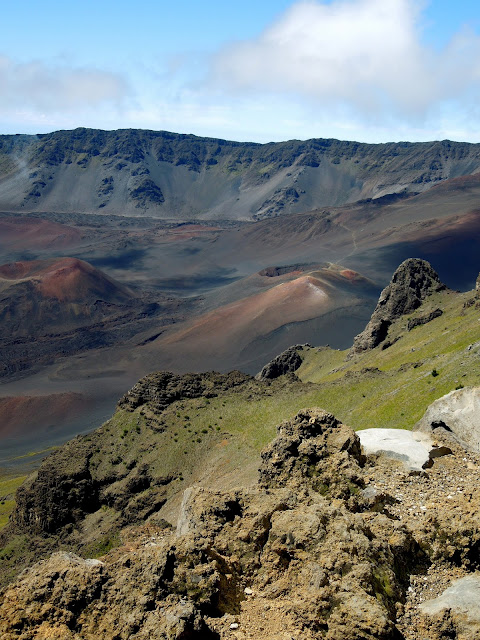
216, 438
8, 486
398, 395
380, 388
32, 454
102, 546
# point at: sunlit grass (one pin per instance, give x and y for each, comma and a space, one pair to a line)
8, 486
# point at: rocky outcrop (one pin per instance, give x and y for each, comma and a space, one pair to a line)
328, 544
411, 283
161, 389
314, 448
416, 322
456, 416
294, 556
89, 475
61, 492
287, 362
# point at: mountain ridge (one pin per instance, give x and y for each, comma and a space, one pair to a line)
183, 177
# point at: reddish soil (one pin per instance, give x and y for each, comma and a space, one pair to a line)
32, 414
187, 232
458, 184
301, 299
36, 234
66, 279
349, 274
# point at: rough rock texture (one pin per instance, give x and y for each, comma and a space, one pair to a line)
60, 492
455, 415
411, 283
455, 613
287, 362
416, 322
67, 487
329, 545
162, 388
130, 171
293, 558
440, 508
316, 446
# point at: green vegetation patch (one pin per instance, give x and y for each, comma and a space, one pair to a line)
8, 486
102, 546
393, 387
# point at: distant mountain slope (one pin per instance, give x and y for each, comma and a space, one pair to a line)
53, 308
55, 295
173, 176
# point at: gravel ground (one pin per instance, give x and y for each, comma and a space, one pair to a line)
448, 492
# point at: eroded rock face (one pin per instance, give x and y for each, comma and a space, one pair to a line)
303, 554
61, 491
456, 416
314, 448
68, 487
416, 322
411, 283
327, 545
287, 362
163, 388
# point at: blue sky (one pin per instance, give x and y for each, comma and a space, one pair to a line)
370, 70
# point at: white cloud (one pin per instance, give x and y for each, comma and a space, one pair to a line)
38, 88
367, 54
352, 69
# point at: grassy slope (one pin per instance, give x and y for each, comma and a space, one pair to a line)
381, 388
8, 485
216, 442
397, 395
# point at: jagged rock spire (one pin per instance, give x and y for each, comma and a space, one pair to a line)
411, 283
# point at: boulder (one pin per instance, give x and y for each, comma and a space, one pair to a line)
313, 449
456, 611
456, 416
414, 449
287, 362
416, 322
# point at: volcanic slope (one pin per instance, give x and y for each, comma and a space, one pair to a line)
173, 431
288, 307
341, 538
62, 306
30, 234
183, 177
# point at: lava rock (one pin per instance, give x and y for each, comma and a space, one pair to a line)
411, 283
287, 362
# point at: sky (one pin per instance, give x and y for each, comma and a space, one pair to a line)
256, 70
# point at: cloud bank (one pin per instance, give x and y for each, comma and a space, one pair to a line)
352, 69
367, 54
38, 87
